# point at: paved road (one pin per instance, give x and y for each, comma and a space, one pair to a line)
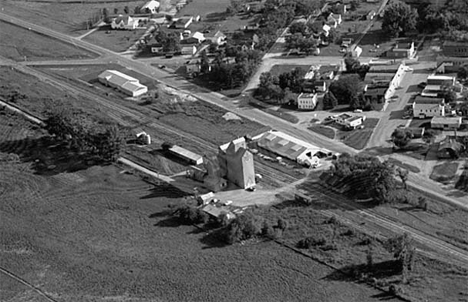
212, 97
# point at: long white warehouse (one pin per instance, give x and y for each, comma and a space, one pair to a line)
122, 82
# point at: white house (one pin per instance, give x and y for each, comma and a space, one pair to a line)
188, 50
122, 82
124, 22
334, 20
424, 107
151, 6
306, 101
326, 30
218, 38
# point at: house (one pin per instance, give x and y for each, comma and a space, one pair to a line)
150, 6
334, 20
186, 155
288, 147
306, 101
349, 121
354, 53
326, 30
328, 72
205, 198
252, 27
346, 42
122, 82
254, 7
371, 15
402, 50
441, 80
446, 123
449, 148
124, 22
188, 50
320, 86
424, 107
182, 22
218, 38
193, 67
237, 164
417, 132
455, 49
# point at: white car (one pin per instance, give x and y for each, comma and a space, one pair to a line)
358, 111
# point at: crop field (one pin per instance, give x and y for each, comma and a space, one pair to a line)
63, 16
100, 234
115, 40
20, 44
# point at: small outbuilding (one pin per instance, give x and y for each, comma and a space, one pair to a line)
446, 123
449, 148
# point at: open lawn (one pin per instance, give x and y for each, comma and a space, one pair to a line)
444, 172
323, 130
20, 44
357, 139
100, 234
64, 16
115, 40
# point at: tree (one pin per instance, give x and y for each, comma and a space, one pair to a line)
463, 72
116, 11
401, 137
268, 87
298, 27
137, 10
351, 64
293, 80
105, 15
403, 175
402, 248
126, 9
399, 18
347, 90
431, 20
329, 101
204, 62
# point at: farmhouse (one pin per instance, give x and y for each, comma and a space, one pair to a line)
124, 22
122, 82
288, 147
424, 107
446, 123
237, 164
402, 50
150, 7
449, 148
218, 38
186, 155
306, 101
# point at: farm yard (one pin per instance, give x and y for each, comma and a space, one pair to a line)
20, 44
115, 40
64, 16
103, 234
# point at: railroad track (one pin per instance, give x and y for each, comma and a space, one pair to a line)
457, 255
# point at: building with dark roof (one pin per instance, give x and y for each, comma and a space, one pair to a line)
455, 49
424, 107
449, 148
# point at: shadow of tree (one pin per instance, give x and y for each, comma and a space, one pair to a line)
164, 189
49, 156
363, 273
214, 239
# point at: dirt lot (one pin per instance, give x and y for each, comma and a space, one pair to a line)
100, 234
20, 44
63, 16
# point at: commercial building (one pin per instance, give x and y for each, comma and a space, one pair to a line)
307, 101
385, 76
455, 49
424, 107
349, 121
403, 50
289, 147
446, 123
122, 82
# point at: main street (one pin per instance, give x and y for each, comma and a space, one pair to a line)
222, 101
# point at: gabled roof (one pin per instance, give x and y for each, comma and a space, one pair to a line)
117, 78
132, 86
428, 100
126, 19
285, 145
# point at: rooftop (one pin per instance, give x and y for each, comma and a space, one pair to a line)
384, 68
455, 43
428, 100
307, 95
185, 153
446, 119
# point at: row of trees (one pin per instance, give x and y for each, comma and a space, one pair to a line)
101, 141
400, 18
280, 89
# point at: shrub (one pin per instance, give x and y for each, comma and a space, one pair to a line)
309, 242
243, 227
191, 214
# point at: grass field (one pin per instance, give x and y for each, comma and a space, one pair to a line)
115, 40
323, 130
20, 44
100, 234
358, 139
279, 69
63, 16
444, 172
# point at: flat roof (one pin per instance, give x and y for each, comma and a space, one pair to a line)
454, 43
307, 95
384, 68
446, 119
185, 153
427, 100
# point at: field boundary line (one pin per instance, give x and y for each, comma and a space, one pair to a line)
21, 280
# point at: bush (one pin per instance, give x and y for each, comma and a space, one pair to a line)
245, 226
190, 214
309, 242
